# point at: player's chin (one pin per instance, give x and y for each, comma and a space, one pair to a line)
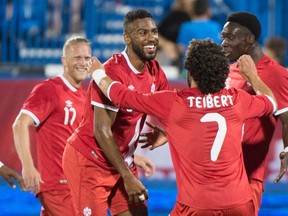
150, 56
82, 76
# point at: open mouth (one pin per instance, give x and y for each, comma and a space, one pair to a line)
150, 48
82, 70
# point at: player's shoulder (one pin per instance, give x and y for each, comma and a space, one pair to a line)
51, 84
115, 60
270, 66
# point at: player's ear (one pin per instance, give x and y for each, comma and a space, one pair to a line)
251, 38
127, 39
63, 60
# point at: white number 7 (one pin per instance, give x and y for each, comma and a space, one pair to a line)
220, 136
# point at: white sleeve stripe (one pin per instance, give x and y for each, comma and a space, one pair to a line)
273, 102
32, 115
1, 164
111, 108
109, 88
279, 112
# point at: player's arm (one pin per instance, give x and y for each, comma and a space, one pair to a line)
284, 154
144, 163
103, 121
248, 70
31, 176
8, 174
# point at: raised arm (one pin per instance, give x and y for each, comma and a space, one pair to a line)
97, 72
248, 70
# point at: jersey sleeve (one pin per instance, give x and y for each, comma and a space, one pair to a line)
156, 104
99, 99
257, 105
279, 87
41, 102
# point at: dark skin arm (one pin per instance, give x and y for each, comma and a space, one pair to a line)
153, 139
283, 156
103, 120
8, 174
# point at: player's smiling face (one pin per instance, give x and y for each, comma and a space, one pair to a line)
144, 38
77, 61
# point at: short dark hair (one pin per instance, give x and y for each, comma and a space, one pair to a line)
207, 64
247, 20
133, 15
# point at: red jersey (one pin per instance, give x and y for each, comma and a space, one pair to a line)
204, 134
259, 132
56, 108
128, 124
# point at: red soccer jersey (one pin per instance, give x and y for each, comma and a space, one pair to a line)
56, 108
204, 134
128, 124
259, 132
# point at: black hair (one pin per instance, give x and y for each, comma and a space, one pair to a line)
133, 15
207, 64
247, 20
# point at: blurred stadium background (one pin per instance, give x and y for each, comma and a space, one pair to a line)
31, 39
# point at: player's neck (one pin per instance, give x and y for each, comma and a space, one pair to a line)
138, 63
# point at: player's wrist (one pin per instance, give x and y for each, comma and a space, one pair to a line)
1, 164
285, 149
98, 75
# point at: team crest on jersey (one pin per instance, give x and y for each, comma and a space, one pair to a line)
87, 211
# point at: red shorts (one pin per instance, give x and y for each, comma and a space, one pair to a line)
56, 203
257, 190
242, 210
93, 188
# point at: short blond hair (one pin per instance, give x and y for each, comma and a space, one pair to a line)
74, 40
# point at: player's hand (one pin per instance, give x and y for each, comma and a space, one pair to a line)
8, 174
155, 138
32, 179
283, 168
247, 67
147, 165
94, 65
136, 191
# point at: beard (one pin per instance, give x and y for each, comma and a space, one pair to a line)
139, 52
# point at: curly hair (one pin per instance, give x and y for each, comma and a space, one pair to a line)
207, 65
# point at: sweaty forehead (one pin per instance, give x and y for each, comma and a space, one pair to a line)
146, 23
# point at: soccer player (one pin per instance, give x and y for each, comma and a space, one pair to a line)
203, 124
240, 35
56, 106
7, 173
101, 172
